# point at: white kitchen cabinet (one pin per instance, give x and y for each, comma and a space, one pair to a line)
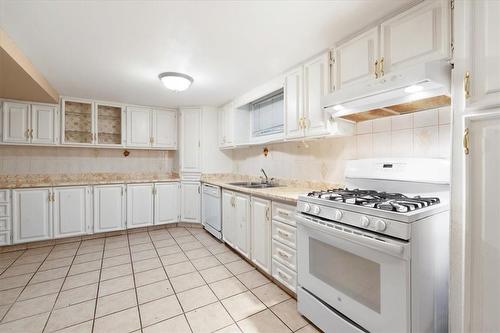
190, 155
140, 205
109, 208
261, 233
191, 202
418, 35
167, 202
16, 122
72, 211
164, 128
355, 59
294, 103
236, 221
316, 81
25, 123
5, 217
484, 62
44, 120
229, 228
139, 127
226, 125
31, 214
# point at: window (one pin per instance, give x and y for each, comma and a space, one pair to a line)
268, 115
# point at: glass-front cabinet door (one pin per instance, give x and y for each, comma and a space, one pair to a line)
109, 124
78, 122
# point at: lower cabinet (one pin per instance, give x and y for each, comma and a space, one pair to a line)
191, 202
261, 233
109, 208
228, 221
167, 203
236, 221
72, 211
5, 217
31, 215
140, 205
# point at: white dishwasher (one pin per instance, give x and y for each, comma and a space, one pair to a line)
211, 213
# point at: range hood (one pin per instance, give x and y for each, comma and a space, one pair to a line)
416, 88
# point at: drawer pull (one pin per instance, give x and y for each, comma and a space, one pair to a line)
284, 234
283, 254
282, 212
283, 275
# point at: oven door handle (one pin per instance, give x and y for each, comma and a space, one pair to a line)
385, 246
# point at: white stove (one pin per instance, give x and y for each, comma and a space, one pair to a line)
374, 256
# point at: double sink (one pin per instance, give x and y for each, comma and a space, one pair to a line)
254, 184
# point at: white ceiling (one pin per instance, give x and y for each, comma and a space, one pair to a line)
114, 50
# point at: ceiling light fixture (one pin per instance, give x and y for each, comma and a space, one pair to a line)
413, 89
176, 81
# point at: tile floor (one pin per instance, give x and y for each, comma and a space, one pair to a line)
166, 280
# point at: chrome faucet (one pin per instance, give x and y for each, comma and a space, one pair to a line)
265, 175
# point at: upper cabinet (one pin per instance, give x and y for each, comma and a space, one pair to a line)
165, 128
110, 124
190, 155
139, 127
155, 128
294, 103
226, 125
77, 122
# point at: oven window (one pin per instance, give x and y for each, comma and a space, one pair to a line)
356, 277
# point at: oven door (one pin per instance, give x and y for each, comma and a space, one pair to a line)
367, 279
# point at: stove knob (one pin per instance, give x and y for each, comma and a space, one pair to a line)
307, 208
365, 221
338, 215
316, 210
380, 225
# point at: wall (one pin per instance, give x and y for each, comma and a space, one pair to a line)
23, 160
422, 134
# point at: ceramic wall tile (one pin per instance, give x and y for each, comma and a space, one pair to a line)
426, 142
445, 116
382, 144
364, 127
382, 125
426, 118
402, 143
402, 122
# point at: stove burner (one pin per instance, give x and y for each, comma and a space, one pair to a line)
396, 202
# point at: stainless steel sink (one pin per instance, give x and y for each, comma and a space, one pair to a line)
254, 184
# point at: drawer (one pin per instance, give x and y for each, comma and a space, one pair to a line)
284, 275
4, 196
285, 234
4, 209
285, 255
284, 213
4, 223
4, 238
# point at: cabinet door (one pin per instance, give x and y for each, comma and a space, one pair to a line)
242, 223
16, 122
485, 53
72, 211
139, 205
221, 127
316, 78
261, 233
191, 131
138, 127
294, 103
31, 215
229, 124
355, 59
191, 202
228, 218
165, 128
167, 203
109, 208
420, 34
43, 121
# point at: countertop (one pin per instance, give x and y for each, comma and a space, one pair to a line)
48, 180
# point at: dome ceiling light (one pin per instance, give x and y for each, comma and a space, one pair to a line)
176, 81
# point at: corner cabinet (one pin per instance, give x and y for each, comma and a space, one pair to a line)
191, 202
109, 208
167, 203
31, 215
261, 233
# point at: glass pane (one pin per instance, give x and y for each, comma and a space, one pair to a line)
109, 125
268, 115
357, 277
77, 122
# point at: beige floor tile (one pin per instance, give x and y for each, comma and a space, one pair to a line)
70, 315
147, 277
87, 257
85, 327
85, 267
90, 249
61, 253
227, 257
115, 261
216, 273
26, 325
184, 239
164, 242
229, 329
9, 296
206, 262
144, 255
228, 287
174, 258
309, 329
163, 251
154, 291
14, 281
108, 253
41, 289
159, 310
287, 312
57, 263
145, 265
30, 307
263, 322
270, 294
243, 305
115, 302
252, 279
81, 280
51, 274
120, 322
4, 309
240, 266
30, 259
198, 253
179, 269
218, 248
191, 246
179, 232
20, 270
116, 271
188, 281
175, 325
196, 298
208, 318
142, 247
112, 286
76, 295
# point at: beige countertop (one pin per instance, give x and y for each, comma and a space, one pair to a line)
288, 191
48, 180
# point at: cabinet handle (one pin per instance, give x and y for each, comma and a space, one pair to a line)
467, 85
267, 213
466, 141
27, 134
381, 71
283, 254
284, 234
31, 133
283, 275
53, 197
376, 69
283, 213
